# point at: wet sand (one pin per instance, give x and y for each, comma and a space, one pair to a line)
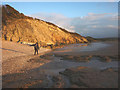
48, 70
111, 49
84, 77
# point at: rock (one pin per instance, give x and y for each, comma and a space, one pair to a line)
91, 78
20, 28
74, 86
76, 58
58, 82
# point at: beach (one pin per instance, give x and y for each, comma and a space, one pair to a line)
72, 66
15, 57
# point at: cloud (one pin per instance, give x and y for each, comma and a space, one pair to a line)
57, 19
95, 25
112, 0
112, 26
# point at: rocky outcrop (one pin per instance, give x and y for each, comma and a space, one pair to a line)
86, 77
18, 27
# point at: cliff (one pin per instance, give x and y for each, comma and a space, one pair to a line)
18, 27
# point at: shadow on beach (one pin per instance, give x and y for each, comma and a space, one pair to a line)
68, 69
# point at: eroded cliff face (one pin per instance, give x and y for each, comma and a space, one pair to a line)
18, 27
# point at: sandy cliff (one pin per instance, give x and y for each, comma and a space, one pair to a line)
18, 27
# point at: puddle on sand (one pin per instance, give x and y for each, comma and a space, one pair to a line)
83, 47
58, 65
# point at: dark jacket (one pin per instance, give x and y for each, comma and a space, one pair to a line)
36, 47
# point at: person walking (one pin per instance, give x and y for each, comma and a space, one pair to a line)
36, 48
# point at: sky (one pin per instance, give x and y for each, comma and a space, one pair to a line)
96, 19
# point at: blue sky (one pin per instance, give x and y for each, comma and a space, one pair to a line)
67, 9
96, 19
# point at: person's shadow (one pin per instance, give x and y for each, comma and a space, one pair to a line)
11, 50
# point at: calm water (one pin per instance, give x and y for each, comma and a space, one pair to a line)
58, 65
84, 47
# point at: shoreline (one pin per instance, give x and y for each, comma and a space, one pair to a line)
110, 50
36, 72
